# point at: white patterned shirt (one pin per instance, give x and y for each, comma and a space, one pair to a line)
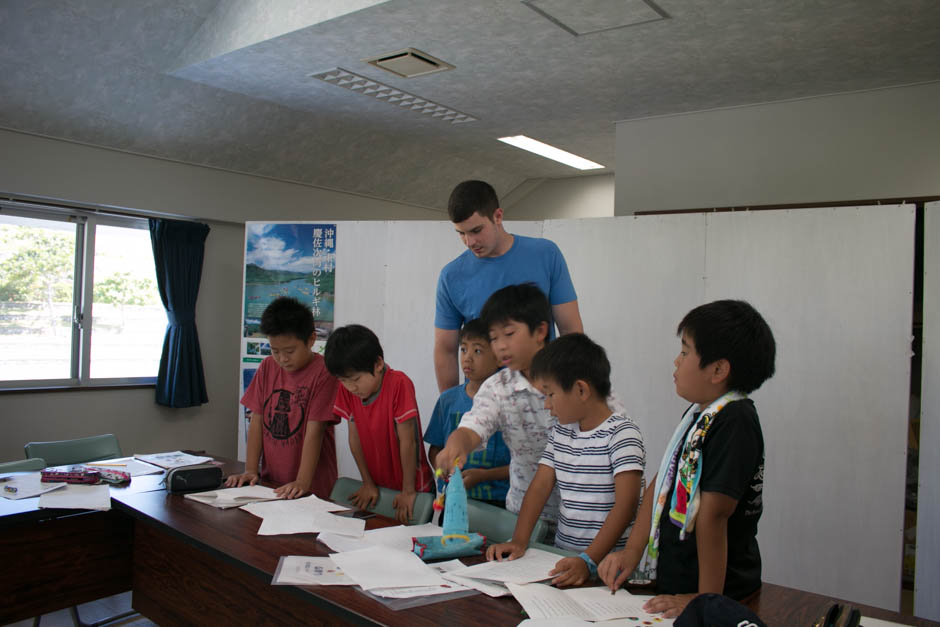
585, 463
507, 402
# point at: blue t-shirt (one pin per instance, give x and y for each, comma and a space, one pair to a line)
445, 419
466, 282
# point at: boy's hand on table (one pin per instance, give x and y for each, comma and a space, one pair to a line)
404, 505
671, 605
292, 490
365, 497
505, 550
615, 568
237, 481
570, 571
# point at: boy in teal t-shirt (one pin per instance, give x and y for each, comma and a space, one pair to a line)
486, 473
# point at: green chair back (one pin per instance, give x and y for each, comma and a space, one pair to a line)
421, 514
497, 524
78, 451
551, 548
23, 465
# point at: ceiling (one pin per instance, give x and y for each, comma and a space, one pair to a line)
226, 83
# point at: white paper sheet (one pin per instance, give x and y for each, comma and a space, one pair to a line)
384, 567
74, 496
297, 570
489, 588
533, 566
173, 459
542, 601
448, 587
309, 504
136, 467
285, 520
26, 485
397, 537
234, 497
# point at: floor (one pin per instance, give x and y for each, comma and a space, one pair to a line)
93, 612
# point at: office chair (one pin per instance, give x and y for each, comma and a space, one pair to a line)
421, 513
23, 465
78, 451
497, 524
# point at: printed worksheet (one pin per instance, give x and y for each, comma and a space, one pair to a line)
287, 519
25, 485
448, 587
74, 496
135, 467
310, 504
234, 497
173, 459
297, 570
533, 566
541, 601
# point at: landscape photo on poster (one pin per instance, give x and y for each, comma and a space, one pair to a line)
290, 259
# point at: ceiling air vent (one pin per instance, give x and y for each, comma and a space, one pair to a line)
409, 63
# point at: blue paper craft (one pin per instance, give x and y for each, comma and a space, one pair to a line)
456, 541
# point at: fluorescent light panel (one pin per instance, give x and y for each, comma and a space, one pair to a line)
550, 152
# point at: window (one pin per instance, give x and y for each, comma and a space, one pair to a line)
79, 304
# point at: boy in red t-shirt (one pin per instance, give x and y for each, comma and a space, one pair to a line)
290, 402
385, 429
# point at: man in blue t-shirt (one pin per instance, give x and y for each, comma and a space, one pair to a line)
494, 259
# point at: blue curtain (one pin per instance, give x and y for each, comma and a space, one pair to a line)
178, 249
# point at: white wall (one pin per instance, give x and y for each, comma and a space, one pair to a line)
927, 575
573, 197
31, 165
834, 284
865, 145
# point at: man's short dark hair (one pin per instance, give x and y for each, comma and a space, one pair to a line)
352, 348
474, 330
570, 358
472, 197
732, 330
287, 316
524, 303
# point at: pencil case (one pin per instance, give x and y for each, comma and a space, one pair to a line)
193, 478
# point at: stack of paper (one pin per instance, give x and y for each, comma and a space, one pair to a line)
545, 603
533, 566
135, 467
306, 515
397, 537
173, 459
77, 497
234, 497
296, 570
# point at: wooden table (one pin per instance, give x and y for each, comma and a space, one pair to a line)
189, 563
55, 558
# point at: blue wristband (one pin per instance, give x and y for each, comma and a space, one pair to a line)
592, 567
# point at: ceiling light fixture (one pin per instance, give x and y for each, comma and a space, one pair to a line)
550, 152
379, 91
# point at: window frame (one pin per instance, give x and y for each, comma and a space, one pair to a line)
86, 223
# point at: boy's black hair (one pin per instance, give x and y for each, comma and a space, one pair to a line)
732, 330
287, 316
572, 357
352, 348
523, 303
474, 329
472, 197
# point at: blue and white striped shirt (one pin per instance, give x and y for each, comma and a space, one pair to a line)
585, 464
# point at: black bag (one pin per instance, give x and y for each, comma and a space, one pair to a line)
715, 610
196, 478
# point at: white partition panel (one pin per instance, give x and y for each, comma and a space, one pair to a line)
835, 285
636, 278
362, 250
927, 574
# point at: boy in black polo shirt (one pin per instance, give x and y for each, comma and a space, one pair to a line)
698, 521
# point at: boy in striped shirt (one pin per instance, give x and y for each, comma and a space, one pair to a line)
596, 458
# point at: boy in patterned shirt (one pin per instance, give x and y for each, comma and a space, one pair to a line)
517, 317
595, 457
